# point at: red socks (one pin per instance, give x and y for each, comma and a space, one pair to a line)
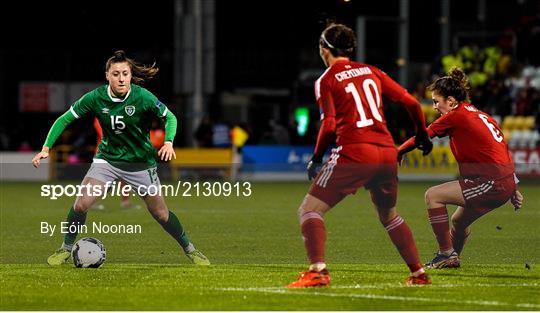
314, 233
402, 237
438, 217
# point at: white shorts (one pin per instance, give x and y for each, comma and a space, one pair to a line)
140, 180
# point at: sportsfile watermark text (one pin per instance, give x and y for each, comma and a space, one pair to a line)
183, 189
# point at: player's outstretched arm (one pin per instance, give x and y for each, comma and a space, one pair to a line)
423, 142
397, 93
166, 153
327, 131
58, 127
422, 139
326, 136
410, 145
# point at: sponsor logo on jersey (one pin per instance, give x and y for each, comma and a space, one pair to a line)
105, 110
158, 104
471, 108
130, 110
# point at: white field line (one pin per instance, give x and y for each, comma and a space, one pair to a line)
391, 285
283, 290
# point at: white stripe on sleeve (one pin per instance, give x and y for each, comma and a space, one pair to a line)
73, 112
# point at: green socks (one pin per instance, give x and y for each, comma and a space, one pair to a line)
74, 221
175, 229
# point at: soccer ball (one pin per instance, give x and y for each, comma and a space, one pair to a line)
88, 252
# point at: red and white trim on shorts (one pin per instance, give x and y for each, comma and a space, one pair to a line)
478, 190
329, 168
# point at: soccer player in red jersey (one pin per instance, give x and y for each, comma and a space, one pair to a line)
485, 165
349, 95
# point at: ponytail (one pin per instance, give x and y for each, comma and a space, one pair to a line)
140, 73
455, 84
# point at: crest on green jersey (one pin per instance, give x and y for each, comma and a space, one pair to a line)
130, 110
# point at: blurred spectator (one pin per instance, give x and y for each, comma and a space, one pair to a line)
497, 99
275, 134
4, 139
420, 91
279, 133
25, 147
157, 137
267, 137
204, 133
292, 129
528, 38
522, 102
221, 136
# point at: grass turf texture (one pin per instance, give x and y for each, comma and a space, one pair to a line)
256, 248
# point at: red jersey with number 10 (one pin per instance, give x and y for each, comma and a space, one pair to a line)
476, 141
352, 93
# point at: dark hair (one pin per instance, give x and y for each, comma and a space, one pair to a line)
139, 72
455, 84
340, 39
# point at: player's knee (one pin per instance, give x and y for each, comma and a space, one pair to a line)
457, 223
81, 206
162, 216
386, 215
303, 212
300, 212
311, 204
429, 196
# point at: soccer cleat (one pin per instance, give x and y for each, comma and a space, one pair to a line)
423, 279
59, 257
198, 258
311, 279
444, 261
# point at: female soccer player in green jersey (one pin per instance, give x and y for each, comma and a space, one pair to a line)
125, 112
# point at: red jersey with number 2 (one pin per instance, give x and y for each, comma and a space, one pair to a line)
476, 141
352, 93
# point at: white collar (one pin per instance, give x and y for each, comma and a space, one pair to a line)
115, 99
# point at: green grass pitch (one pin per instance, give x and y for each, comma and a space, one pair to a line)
256, 248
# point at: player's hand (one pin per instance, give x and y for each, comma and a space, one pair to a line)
314, 167
166, 153
422, 142
517, 200
42, 155
400, 157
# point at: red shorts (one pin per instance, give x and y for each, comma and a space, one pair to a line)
353, 166
485, 194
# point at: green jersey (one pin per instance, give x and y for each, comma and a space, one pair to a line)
126, 125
